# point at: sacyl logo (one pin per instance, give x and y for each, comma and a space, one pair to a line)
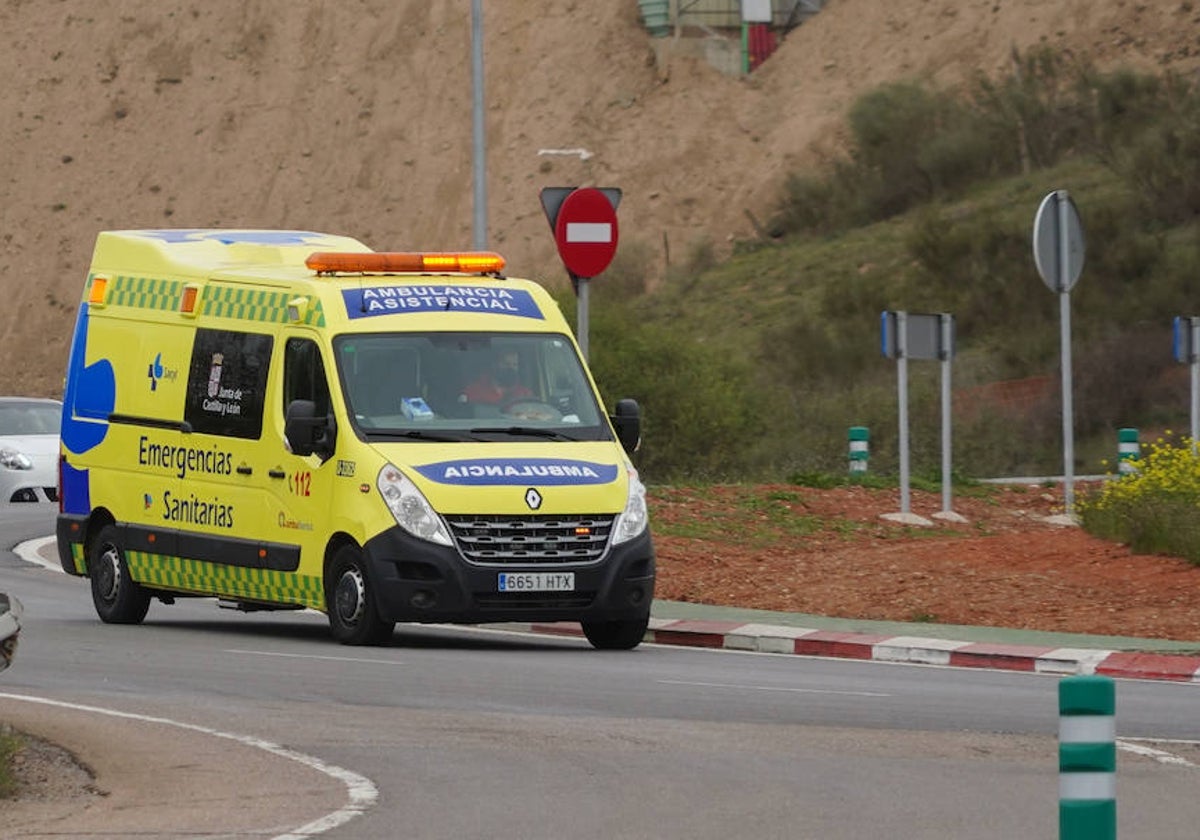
155, 371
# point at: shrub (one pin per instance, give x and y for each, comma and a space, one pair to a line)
809, 204
1153, 509
893, 129
1043, 108
701, 416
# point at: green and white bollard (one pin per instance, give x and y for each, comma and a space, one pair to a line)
1128, 451
860, 446
1087, 759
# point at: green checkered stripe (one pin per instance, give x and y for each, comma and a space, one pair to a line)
217, 301
79, 558
257, 305
157, 570
145, 293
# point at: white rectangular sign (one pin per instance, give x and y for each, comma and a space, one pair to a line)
756, 11
589, 232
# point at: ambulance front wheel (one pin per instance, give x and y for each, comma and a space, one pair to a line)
351, 602
117, 596
616, 635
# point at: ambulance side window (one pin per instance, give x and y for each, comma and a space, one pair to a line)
562, 374
304, 375
227, 380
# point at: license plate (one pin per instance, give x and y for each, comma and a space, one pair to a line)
536, 582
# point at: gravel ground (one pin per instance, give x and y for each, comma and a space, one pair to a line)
44, 771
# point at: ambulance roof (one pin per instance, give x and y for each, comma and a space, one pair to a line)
314, 278
207, 252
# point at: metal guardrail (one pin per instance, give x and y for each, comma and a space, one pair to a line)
10, 629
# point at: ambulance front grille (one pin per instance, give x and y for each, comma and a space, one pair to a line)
530, 540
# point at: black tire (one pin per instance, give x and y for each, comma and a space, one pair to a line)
119, 599
616, 635
350, 602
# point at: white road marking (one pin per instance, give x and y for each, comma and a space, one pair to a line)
774, 688
1135, 746
362, 791
28, 551
312, 656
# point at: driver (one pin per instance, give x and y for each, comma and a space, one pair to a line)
500, 384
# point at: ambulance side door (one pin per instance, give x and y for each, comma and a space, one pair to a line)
222, 506
302, 487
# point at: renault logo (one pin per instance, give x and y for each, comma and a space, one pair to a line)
533, 498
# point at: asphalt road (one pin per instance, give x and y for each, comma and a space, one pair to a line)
212, 723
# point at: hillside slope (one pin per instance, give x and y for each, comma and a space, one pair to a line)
355, 117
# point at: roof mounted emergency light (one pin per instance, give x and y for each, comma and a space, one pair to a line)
382, 262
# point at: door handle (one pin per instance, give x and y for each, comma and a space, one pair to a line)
244, 469
277, 473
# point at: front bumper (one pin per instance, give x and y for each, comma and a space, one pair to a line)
417, 581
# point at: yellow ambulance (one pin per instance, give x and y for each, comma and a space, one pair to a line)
289, 420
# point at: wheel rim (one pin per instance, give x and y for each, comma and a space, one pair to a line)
350, 597
108, 574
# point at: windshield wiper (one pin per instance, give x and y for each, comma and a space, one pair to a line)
415, 434
529, 431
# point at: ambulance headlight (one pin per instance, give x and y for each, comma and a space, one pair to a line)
410, 507
634, 519
14, 459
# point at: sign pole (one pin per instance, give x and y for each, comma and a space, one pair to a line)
1195, 365
581, 313
944, 351
902, 384
1064, 300
904, 336
478, 130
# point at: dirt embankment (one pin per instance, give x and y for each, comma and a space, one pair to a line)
357, 119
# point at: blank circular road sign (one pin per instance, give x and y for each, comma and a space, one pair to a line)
1056, 226
586, 232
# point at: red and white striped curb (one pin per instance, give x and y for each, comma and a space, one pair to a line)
768, 638
1043, 659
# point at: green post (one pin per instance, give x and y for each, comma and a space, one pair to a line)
1087, 759
1128, 451
745, 48
860, 449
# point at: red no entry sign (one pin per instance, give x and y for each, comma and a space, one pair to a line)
585, 231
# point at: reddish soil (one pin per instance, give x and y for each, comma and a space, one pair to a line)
830, 552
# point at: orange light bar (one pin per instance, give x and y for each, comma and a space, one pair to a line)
382, 262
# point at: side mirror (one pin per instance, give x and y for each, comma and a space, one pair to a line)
628, 423
307, 433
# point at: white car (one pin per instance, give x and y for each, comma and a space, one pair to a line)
29, 428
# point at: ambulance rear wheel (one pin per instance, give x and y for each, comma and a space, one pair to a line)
119, 599
351, 603
616, 635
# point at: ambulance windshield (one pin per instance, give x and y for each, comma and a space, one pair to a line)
468, 386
